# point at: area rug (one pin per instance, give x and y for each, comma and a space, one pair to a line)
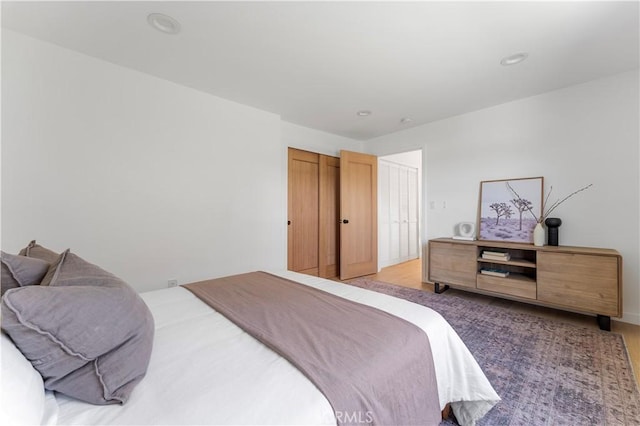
547, 372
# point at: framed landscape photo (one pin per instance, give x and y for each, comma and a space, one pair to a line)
509, 208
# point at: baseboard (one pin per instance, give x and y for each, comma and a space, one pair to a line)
631, 318
386, 263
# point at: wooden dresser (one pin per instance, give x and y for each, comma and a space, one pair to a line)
578, 279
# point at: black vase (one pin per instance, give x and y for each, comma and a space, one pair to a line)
553, 223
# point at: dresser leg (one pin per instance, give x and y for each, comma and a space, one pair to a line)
438, 290
604, 322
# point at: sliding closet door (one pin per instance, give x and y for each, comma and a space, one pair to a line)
358, 214
329, 260
303, 210
314, 210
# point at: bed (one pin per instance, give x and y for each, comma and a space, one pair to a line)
203, 369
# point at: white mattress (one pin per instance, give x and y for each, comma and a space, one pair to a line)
205, 370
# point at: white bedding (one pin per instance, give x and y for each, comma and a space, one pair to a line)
205, 370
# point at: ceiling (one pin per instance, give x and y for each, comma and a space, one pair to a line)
317, 63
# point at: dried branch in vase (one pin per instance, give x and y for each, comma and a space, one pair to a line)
547, 212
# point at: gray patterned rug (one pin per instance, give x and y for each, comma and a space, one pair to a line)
547, 372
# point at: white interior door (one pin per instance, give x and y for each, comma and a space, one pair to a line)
403, 207
384, 217
413, 196
399, 213
394, 213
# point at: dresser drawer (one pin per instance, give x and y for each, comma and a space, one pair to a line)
513, 286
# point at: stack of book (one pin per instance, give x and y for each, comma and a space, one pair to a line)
496, 255
494, 272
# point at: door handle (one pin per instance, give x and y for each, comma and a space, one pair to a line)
345, 221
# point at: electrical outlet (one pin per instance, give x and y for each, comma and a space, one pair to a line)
172, 283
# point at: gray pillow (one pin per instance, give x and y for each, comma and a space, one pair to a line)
7, 281
88, 333
21, 271
54, 269
34, 249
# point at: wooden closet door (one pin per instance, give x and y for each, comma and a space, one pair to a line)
358, 214
303, 210
329, 216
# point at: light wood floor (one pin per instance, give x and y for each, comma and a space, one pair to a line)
409, 274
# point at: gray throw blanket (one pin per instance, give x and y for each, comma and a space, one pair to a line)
373, 367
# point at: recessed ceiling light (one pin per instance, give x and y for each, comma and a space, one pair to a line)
164, 23
363, 113
516, 58
405, 120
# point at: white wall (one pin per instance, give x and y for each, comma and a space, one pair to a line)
294, 136
146, 178
583, 134
154, 181
409, 158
